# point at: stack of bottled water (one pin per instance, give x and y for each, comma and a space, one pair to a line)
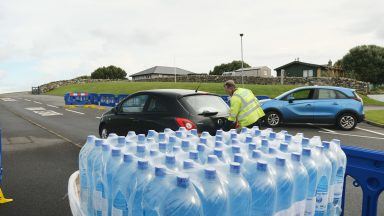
254, 172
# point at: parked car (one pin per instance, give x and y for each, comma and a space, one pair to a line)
165, 108
315, 104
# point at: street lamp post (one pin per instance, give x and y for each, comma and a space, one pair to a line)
242, 60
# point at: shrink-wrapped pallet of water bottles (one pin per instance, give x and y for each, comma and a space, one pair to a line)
252, 172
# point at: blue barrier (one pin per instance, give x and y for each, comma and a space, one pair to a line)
120, 97
76, 98
107, 100
227, 98
367, 168
94, 98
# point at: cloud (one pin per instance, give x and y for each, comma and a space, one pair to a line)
3, 74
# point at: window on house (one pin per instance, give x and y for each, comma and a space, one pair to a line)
307, 73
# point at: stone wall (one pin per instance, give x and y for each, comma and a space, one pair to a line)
360, 86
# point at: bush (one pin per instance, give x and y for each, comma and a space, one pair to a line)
110, 72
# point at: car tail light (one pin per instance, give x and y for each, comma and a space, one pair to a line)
188, 124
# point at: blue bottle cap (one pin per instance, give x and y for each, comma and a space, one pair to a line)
179, 134
194, 155
162, 145
306, 152
305, 141
326, 145
219, 144
168, 130
160, 170
185, 144
283, 147
201, 147
172, 139
248, 139
91, 138
210, 173
233, 136
234, 141
288, 138
161, 136
257, 132
234, 167
203, 140
151, 133
128, 157
212, 159
194, 132
256, 154
235, 149
170, 159
219, 138
153, 152
182, 180
218, 152
319, 148
219, 132
272, 150
280, 161
121, 140
106, 147
141, 138
176, 149
98, 142
238, 158
272, 135
264, 143
251, 146
116, 152
142, 164
336, 141
255, 128
188, 164
112, 135
295, 156
140, 148
131, 133
262, 165
244, 130
205, 134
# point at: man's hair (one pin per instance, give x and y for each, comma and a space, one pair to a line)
230, 83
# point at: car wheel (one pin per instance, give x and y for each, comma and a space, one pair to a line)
347, 121
103, 132
272, 119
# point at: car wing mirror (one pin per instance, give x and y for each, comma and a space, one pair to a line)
114, 110
290, 99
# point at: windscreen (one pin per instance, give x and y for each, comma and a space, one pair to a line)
206, 103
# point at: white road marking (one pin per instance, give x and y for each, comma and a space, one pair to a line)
8, 99
371, 131
36, 102
328, 130
35, 108
52, 106
27, 100
74, 111
352, 135
42, 111
98, 117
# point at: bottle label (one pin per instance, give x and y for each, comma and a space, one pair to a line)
331, 193
322, 195
310, 205
117, 212
299, 208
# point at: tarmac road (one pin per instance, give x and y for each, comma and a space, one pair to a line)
41, 142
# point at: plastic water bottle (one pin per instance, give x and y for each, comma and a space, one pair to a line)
263, 191
264, 146
99, 193
220, 155
142, 176
192, 169
131, 136
94, 154
173, 141
156, 191
141, 151
153, 134
141, 140
342, 164
194, 155
213, 195
311, 167
120, 142
301, 180
182, 200
121, 181
110, 170
239, 192
284, 183
170, 162
84, 184
162, 137
324, 180
334, 162
203, 153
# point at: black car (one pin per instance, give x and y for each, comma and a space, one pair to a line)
165, 108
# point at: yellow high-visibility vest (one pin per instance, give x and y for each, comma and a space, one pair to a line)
245, 108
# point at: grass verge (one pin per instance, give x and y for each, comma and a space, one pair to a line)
376, 116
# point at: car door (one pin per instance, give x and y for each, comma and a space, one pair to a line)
159, 114
298, 106
327, 105
130, 114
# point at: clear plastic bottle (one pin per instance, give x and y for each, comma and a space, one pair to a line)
312, 170
182, 200
141, 140
203, 153
153, 134
170, 162
324, 180
110, 170
264, 191
99, 193
131, 136
301, 181
141, 151
335, 164
83, 169
284, 183
95, 154
239, 192
162, 147
342, 164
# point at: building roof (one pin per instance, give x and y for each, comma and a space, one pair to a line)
163, 70
250, 68
299, 62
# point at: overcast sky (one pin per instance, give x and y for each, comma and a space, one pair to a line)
46, 40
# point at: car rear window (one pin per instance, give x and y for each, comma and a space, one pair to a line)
208, 103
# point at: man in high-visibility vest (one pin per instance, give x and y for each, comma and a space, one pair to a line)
245, 108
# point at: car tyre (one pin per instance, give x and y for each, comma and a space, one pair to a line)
103, 132
272, 119
346, 121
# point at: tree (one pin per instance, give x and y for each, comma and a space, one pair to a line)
365, 63
234, 65
110, 72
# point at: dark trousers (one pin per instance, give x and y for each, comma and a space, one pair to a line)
257, 123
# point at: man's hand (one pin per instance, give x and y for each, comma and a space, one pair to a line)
228, 125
